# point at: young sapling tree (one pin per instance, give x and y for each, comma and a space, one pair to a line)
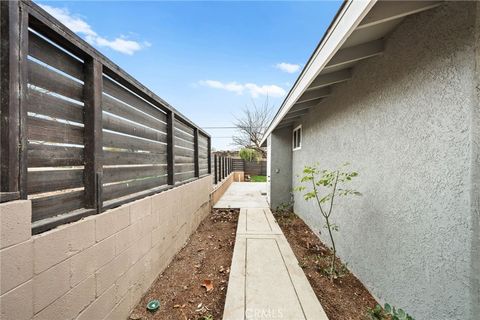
324, 186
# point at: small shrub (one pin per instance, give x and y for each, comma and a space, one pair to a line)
388, 312
248, 154
325, 186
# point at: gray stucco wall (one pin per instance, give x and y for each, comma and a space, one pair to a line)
408, 123
280, 168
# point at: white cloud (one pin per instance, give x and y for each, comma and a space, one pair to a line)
253, 89
288, 67
78, 25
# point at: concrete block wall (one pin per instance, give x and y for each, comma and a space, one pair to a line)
98, 267
221, 187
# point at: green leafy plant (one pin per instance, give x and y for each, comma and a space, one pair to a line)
207, 317
388, 312
324, 186
249, 154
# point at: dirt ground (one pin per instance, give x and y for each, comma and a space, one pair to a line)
344, 299
207, 256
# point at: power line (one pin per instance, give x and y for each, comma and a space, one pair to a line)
219, 127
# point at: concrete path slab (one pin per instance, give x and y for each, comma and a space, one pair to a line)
266, 281
244, 195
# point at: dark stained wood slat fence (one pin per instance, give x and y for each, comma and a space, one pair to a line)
48, 105
92, 134
41, 155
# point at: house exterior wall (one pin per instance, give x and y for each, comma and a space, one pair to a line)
408, 123
98, 267
280, 167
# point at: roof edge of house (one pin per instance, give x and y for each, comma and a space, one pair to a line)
348, 16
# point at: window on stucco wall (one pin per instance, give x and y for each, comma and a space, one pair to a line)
297, 138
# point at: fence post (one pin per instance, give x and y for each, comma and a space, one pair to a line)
195, 152
225, 167
93, 170
10, 120
215, 167
222, 168
209, 153
170, 148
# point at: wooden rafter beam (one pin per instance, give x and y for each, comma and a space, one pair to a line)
295, 114
385, 11
314, 94
305, 105
356, 53
324, 80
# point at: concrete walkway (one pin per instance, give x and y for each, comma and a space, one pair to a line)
266, 281
244, 195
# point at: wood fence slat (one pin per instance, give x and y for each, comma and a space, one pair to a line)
125, 158
117, 124
182, 176
114, 140
45, 207
185, 128
115, 174
52, 81
181, 159
53, 131
184, 144
120, 189
126, 96
40, 155
52, 180
48, 105
179, 168
184, 136
46, 52
183, 152
203, 142
125, 111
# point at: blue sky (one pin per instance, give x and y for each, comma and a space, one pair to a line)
207, 59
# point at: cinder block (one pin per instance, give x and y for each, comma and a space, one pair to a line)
58, 244
18, 303
16, 265
128, 236
81, 235
50, 248
164, 206
108, 274
71, 304
100, 308
111, 222
121, 310
50, 285
140, 209
122, 286
16, 222
146, 224
85, 263
138, 275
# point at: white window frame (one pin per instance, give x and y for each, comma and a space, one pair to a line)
297, 128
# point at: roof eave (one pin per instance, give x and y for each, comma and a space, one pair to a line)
348, 18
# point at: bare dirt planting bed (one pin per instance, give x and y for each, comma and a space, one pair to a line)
343, 299
207, 256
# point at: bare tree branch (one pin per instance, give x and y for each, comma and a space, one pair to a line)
251, 126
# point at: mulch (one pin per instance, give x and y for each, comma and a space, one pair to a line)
207, 256
343, 299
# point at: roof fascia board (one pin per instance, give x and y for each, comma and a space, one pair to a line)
352, 14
